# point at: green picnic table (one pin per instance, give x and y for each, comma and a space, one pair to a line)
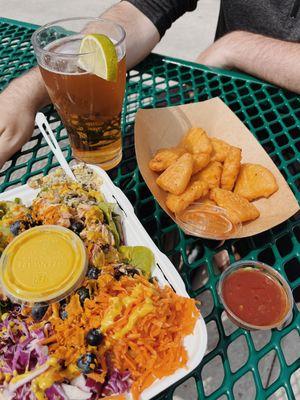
238, 364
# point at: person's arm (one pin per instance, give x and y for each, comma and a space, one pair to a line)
273, 60
21, 100
141, 33
19, 103
145, 22
24, 96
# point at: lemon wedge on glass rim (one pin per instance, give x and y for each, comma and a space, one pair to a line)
98, 56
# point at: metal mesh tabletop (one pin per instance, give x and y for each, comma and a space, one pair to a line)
238, 364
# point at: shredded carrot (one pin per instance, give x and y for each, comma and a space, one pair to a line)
153, 346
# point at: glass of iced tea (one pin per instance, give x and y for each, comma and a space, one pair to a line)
86, 83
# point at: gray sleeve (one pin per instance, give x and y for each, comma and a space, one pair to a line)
164, 12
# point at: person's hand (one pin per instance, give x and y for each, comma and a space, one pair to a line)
16, 122
19, 103
220, 54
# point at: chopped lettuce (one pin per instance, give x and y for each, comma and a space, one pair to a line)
107, 209
118, 222
138, 256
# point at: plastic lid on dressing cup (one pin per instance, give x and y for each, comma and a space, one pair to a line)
207, 221
42, 264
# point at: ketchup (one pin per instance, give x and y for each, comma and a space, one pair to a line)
255, 297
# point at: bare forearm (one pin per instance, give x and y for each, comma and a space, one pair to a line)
141, 37
19, 103
30, 88
141, 34
24, 96
274, 60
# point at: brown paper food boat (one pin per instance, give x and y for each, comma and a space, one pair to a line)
163, 127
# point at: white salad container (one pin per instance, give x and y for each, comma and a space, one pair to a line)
164, 270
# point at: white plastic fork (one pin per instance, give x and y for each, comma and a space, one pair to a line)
49, 136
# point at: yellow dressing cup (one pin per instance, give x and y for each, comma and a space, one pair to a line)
43, 264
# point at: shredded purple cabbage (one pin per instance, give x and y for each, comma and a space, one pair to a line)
21, 352
95, 387
55, 392
118, 383
24, 393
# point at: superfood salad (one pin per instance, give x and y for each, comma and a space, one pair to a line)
114, 335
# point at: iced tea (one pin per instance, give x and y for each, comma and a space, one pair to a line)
89, 106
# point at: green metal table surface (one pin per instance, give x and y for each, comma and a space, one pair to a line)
237, 364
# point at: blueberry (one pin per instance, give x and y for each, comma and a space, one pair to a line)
6, 305
94, 337
16, 227
93, 273
87, 363
83, 294
76, 226
38, 311
123, 270
105, 248
132, 272
62, 310
118, 274
19, 226
30, 222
